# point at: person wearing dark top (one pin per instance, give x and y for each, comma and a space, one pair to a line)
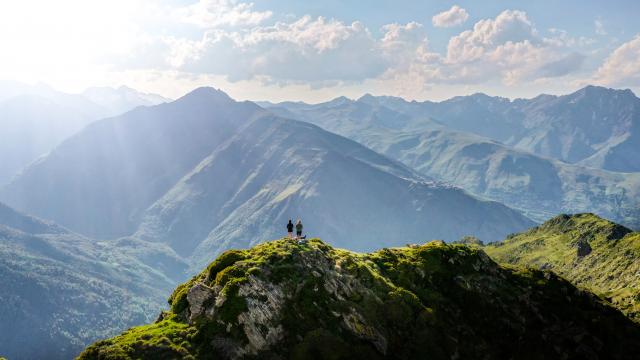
290, 229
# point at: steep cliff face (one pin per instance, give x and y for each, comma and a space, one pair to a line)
309, 300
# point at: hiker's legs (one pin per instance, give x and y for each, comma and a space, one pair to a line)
290, 235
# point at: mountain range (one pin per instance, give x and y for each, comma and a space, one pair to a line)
205, 173
122, 99
448, 141
150, 193
594, 126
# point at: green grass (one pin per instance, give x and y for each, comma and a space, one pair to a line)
611, 270
284, 299
167, 339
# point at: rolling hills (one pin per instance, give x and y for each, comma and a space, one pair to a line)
538, 186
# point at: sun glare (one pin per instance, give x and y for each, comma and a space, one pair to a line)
63, 42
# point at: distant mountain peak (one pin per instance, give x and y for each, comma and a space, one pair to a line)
367, 98
596, 90
119, 100
126, 88
207, 93
381, 99
340, 100
586, 223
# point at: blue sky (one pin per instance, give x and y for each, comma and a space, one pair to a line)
316, 50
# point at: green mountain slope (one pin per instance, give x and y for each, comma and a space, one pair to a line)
60, 291
287, 300
248, 189
537, 185
587, 250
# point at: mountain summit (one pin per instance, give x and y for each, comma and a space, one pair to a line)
206, 94
284, 299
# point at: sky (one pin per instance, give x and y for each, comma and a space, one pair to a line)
318, 50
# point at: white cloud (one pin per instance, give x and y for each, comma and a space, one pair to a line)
509, 26
306, 50
401, 43
241, 45
320, 51
214, 13
622, 67
325, 52
452, 17
508, 49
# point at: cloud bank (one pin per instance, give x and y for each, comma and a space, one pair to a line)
452, 17
243, 43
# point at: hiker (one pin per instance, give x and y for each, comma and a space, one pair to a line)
290, 229
299, 229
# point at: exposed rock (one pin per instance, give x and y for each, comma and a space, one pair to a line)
200, 297
358, 325
264, 305
583, 247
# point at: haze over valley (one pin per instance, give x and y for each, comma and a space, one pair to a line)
198, 179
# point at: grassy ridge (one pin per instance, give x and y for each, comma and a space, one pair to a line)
606, 264
284, 299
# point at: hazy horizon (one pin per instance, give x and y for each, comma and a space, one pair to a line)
335, 96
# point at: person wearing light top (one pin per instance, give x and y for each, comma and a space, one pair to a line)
298, 229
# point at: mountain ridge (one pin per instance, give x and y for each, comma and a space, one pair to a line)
205, 172
36, 118
301, 300
558, 127
538, 185
589, 251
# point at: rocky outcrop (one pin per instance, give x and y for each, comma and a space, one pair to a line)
285, 299
201, 298
583, 248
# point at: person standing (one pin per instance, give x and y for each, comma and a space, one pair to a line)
298, 229
290, 229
